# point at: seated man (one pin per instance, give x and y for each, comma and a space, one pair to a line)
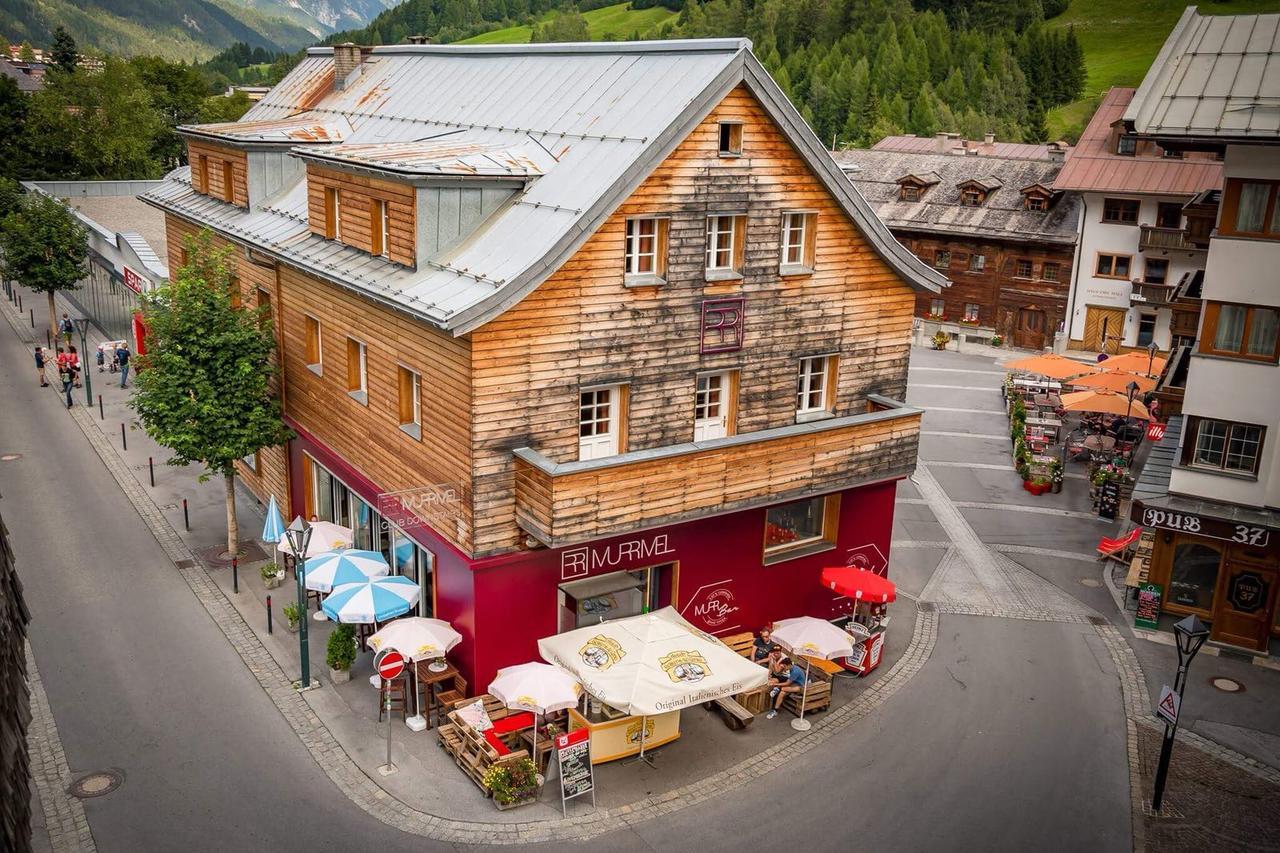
761, 646
777, 666
794, 683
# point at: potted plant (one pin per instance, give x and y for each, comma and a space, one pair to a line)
1037, 485
292, 616
941, 339
514, 784
341, 653
1055, 475
272, 575
997, 341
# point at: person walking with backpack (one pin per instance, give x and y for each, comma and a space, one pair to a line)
67, 376
122, 360
65, 328
44, 383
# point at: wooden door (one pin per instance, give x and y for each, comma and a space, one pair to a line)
1242, 616
1103, 328
1029, 333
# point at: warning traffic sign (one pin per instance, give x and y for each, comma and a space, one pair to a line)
1167, 707
389, 664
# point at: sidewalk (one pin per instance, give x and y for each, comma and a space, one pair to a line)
428, 793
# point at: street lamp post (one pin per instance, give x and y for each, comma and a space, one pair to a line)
299, 535
1133, 392
1190, 634
1151, 356
82, 326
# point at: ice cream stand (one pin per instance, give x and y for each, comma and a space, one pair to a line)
870, 593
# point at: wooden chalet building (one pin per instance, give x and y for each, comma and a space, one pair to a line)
568, 331
984, 214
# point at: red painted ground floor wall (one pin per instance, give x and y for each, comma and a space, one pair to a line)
717, 580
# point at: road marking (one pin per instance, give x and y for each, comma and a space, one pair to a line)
990, 466
964, 411
960, 370
956, 387
990, 436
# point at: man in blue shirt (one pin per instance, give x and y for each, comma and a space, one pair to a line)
794, 684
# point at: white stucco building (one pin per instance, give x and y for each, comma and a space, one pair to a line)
1136, 241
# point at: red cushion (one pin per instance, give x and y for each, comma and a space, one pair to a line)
513, 723
497, 744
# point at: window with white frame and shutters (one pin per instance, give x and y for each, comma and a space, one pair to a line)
600, 421
797, 243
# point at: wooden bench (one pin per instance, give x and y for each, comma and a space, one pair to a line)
743, 644
817, 698
735, 716
475, 752
756, 700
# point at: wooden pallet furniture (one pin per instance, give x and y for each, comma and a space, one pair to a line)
735, 716
475, 752
743, 644
817, 698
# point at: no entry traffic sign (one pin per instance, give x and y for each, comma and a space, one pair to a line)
389, 664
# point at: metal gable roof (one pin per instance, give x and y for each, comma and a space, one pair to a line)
594, 118
1217, 76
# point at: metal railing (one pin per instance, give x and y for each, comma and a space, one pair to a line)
1155, 237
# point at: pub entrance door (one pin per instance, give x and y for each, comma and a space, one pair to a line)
1242, 616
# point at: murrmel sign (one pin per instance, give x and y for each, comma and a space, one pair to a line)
1214, 528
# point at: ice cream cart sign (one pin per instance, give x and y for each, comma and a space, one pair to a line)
1148, 615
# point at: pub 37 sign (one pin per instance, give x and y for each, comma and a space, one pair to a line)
1215, 528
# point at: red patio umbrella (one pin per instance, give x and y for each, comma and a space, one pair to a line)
859, 584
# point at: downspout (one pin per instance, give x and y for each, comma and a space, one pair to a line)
1075, 272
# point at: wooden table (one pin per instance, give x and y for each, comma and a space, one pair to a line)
428, 679
827, 667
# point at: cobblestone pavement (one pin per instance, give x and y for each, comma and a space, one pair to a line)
64, 817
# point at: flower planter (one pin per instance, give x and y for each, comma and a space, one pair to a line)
525, 799
1036, 488
273, 581
292, 626
339, 676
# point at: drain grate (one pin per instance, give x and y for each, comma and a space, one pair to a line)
1226, 685
1096, 620
926, 606
96, 784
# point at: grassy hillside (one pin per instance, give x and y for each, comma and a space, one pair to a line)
607, 23
1120, 39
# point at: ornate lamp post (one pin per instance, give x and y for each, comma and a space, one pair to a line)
1151, 356
1132, 388
299, 535
82, 326
1191, 635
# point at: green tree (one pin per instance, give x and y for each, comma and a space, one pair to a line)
177, 92
45, 248
565, 25
13, 120
204, 384
64, 50
94, 126
220, 108
27, 53
10, 197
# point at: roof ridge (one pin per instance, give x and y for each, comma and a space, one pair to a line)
710, 45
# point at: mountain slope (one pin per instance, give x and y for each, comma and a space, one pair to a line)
320, 17
176, 29
605, 23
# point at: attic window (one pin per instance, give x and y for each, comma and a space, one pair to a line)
1127, 146
909, 192
1036, 202
972, 197
730, 139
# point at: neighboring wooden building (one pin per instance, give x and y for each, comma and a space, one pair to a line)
985, 215
15, 706
569, 332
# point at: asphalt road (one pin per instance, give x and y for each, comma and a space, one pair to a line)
1010, 738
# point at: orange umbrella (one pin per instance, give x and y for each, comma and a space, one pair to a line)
1135, 362
1105, 402
1051, 365
1114, 380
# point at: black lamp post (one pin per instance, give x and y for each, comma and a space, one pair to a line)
299, 535
1151, 356
82, 326
1132, 388
1191, 635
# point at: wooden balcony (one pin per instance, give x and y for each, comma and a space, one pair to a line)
1150, 293
1166, 239
563, 503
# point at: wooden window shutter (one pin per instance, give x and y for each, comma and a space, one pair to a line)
810, 239
313, 340
353, 364
405, 379
660, 262
739, 240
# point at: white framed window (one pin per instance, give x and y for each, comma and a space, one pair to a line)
814, 384
358, 370
713, 405
645, 259
797, 242
601, 412
977, 263
722, 243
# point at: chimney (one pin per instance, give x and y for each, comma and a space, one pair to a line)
419, 39
989, 143
941, 142
346, 60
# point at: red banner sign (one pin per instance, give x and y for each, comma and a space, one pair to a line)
133, 281
1155, 431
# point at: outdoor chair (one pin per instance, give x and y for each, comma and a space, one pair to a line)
1120, 550
397, 698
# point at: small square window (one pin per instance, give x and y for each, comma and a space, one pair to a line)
645, 253
942, 259
815, 384
1022, 268
971, 312
1122, 211
800, 527
725, 239
1037, 203
797, 242
730, 139
1127, 146
1051, 272
971, 197
977, 263
909, 192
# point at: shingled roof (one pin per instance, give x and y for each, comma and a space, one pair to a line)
593, 119
1002, 216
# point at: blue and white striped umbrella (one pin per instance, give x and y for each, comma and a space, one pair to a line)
326, 571
273, 530
375, 600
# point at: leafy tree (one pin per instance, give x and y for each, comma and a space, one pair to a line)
10, 197
220, 108
13, 119
45, 248
565, 25
94, 126
177, 92
204, 384
64, 50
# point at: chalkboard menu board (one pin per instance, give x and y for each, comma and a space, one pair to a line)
1109, 499
573, 758
1148, 615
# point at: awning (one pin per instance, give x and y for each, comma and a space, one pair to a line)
859, 584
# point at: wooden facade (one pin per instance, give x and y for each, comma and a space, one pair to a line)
582, 327
358, 218
514, 382
1024, 310
219, 171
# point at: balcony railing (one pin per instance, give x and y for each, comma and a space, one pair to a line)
1150, 293
1168, 239
563, 503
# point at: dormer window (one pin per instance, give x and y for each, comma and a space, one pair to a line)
912, 187
972, 197
1127, 146
909, 192
1037, 203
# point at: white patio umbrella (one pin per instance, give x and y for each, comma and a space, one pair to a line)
813, 638
325, 536
417, 638
537, 687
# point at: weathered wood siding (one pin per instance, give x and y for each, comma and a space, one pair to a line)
583, 327
223, 161
610, 501
357, 195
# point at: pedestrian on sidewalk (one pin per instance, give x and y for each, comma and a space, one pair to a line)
67, 378
62, 360
74, 357
102, 360
65, 328
122, 359
44, 383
